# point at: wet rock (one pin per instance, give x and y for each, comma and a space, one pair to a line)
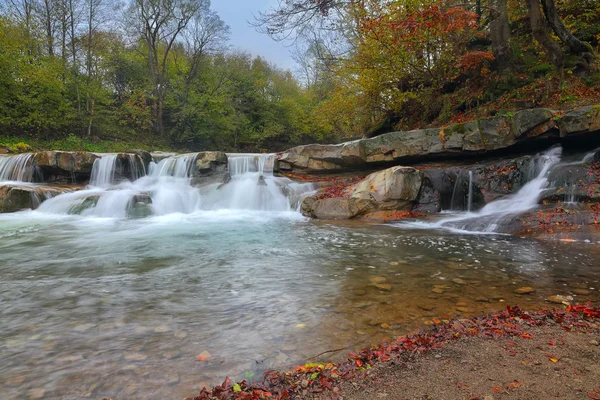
281, 358
363, 304
64, 166
385, 326
226, 180
162, 329
437, 290
169, 355
459, 281
524, 290
83, 327
69, 359
87, 203
377, 279
359, 292
173, 379
35, 394
15, 380
20, 197
131, 389
463, 309
290, 347
261, 181
383, 286
560, 299
461, 304
133, 356
425, 307
210, 163
583, 292
334, 208
482, 299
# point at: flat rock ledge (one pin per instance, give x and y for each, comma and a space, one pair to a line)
471, 138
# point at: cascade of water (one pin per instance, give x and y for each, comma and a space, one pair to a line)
240, 164
253, 187
103, 171
168, 189
470, 195
492, 215
136, 172
454, 191
16, 168
179, 166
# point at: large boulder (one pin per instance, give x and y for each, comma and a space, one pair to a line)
390, 187
210, 163
402, 189
334, 208
209, 167
22, 197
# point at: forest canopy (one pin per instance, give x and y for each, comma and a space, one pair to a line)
161, 72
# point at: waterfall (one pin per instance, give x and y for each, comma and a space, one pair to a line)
16, 168
250, 185
490, 217
470, 195
454, 191
103, 171
178, 166
136, 173
253, 187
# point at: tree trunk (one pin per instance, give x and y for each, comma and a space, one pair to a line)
159, 115
541, 33
91, 116
49, 27
74, 55
575, 45
500, 32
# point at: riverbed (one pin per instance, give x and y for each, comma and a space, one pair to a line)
122, 308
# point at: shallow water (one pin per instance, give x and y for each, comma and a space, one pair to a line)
120, 308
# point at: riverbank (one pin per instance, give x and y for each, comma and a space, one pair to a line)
524, 355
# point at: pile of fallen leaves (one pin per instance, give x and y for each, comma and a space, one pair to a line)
318, 378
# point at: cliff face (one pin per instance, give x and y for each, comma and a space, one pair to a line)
474, 138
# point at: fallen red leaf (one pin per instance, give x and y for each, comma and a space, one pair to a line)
526, 336
497, 389
515, 384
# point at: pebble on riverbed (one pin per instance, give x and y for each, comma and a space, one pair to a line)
524, 290
559, 299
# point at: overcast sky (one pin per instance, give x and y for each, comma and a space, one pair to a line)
236, 14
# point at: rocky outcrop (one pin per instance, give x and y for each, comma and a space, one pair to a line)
22, 197
210, 163
581, 120
471, 138
64, 166
210, 167
401, 189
